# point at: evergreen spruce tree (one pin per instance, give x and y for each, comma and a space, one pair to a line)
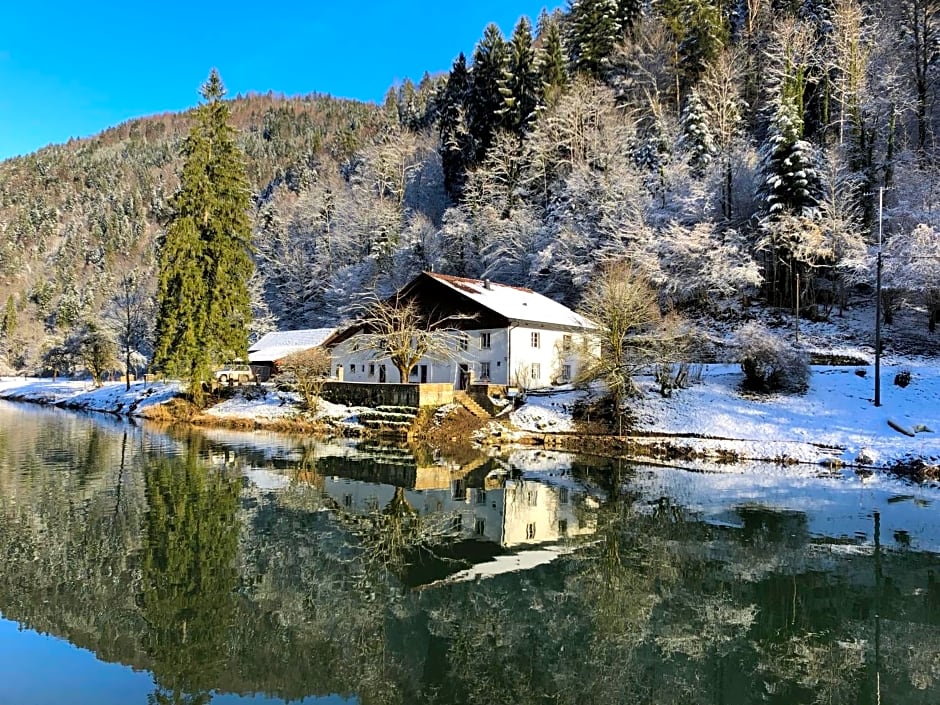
205, 259
697, 138
594, 33
520, 85
703, 39
457, 146
490, 60
629, 13
550, 61
792, 184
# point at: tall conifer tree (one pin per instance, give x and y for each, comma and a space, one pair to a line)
490, 60
205, 260
457, 146
550, 60
594, 34
520, 88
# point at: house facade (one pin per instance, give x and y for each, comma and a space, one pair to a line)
497, 334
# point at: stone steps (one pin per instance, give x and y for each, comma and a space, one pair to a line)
470, 405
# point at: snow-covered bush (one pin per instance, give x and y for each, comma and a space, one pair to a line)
769, 362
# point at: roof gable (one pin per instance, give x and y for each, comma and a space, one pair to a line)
279, 344
516, 304
478, 304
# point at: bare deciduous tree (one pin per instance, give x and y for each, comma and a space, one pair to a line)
308, 369
398, 329
94, 345
633, 331
131, 312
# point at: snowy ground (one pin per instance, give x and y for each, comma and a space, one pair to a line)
113, 397
834, 419
248, 403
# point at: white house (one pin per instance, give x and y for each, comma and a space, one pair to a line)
271, 348
500, 334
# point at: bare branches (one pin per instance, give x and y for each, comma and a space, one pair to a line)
397, 328
634, 332
308, 370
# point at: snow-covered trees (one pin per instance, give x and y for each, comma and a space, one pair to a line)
697, 138
912, 265
594, 32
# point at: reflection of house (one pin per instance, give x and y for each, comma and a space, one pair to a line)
271, 348
504, 335
506, 512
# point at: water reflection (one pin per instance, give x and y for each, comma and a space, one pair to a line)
225, 566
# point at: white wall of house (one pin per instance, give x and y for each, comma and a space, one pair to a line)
521, 356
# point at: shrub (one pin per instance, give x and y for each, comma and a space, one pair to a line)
902, 378
771, 363
307, 370
676, 375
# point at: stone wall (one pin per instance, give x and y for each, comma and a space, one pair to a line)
373, 395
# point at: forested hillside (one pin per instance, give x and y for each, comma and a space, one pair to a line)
727, 148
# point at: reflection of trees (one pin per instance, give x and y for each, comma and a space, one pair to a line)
189, 578
392, 538
654, 608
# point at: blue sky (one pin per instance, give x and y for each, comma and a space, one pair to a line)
70, 69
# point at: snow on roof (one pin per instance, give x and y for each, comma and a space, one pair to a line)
279, 344
514, 302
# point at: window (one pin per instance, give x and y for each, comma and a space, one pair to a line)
481, 496
535, 371
372, 369
485, 341
462, 342
536, 339
459, 489
562, 526
530, 530
565, 373
347, 500
532, 497
352, 368
485, 370
479, 527
456, 523
563, 495
566, 343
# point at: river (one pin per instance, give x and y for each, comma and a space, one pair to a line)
146, 566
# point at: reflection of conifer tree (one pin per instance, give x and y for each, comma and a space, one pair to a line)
189, 575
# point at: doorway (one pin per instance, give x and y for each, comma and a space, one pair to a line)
463, 376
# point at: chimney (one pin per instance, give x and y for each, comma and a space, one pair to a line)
486, 285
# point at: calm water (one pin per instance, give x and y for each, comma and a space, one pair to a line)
139, 566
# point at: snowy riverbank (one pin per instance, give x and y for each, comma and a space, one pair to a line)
835, 421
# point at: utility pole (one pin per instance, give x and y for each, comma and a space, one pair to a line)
881, 193
796, 306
